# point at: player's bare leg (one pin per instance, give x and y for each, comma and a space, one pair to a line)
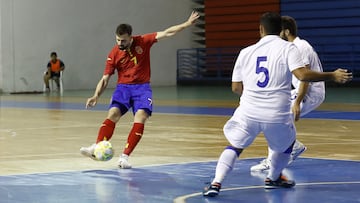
57, 81
134, 137
46, 81
105, 132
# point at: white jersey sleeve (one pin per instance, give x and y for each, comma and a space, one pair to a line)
310, 57
305, 54
295, 59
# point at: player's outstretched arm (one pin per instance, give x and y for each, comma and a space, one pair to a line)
171, 31
100, 87
339, 76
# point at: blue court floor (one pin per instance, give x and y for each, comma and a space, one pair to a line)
318, 180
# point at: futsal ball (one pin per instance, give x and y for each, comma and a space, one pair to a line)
103, 151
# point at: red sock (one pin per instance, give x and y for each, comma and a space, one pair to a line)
134, 137
106, 130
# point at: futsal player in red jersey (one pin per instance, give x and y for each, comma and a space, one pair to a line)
130, 57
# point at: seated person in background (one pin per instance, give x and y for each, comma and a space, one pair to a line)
54, 67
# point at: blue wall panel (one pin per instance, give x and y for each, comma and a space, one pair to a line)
332, 27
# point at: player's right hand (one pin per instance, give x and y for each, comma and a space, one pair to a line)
91, 102
342, 76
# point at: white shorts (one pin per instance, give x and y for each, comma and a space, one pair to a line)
309, 103
242, 132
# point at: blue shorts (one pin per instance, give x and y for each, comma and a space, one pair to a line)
135, 96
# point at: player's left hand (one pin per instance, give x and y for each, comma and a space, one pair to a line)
296, 111
193, 17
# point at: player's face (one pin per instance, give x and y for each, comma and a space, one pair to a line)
53, 58
283, 35
123, 41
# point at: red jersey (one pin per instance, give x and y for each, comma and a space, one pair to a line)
55, 66
132, 65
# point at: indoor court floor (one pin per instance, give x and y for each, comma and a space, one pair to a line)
40, 137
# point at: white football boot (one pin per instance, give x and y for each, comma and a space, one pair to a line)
262, 166
298, 149
124, 162
88, 151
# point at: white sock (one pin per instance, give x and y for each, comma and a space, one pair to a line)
270, 153
278, 162
225, 165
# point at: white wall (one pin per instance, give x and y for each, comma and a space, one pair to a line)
1, 75
6, 63
82, 33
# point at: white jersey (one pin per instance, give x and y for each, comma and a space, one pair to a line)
310, 58
265, 71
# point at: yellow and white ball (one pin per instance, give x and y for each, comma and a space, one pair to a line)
103, 151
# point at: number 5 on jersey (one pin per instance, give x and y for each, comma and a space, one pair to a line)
260, 69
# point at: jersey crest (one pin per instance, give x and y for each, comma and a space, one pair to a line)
139, 50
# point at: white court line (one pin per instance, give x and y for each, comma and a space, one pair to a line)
182, 199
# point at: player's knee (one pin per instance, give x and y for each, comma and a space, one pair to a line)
114, 115
141, 116
236, 150
289, 150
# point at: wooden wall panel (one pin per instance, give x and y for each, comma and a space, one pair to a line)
231, 24
235, 23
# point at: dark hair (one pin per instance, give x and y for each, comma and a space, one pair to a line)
289, 23
123, 29
53, 54
271, 21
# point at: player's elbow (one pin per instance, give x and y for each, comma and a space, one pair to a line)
169, 34
237, 88
301, 74
164, 34
238, 92
301, 77
104, 80
234, 89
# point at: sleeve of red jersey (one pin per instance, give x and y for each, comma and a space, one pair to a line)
150, 38
109, 65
